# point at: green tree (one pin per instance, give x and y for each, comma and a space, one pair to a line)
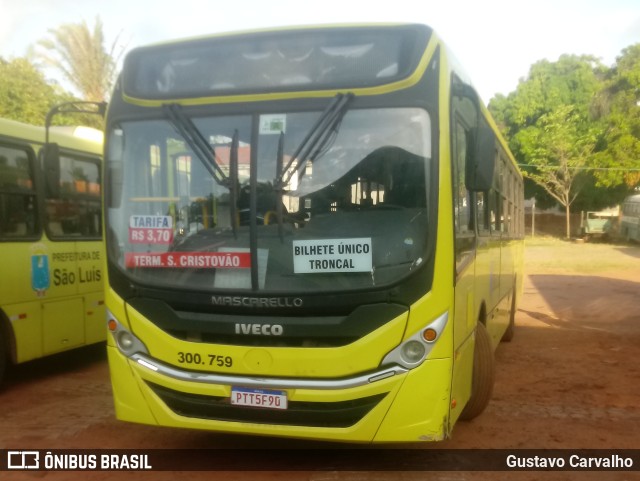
559, 147
548, 121
618, 105
27, 97
80, 55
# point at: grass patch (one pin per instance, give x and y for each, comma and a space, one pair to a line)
547, 254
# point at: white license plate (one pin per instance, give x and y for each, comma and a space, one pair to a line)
259, 398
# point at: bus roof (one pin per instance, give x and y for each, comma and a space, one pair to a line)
292, 59
82, 138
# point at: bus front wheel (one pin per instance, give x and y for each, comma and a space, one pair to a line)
483, 375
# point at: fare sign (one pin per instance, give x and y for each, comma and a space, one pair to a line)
150, 229
332, 255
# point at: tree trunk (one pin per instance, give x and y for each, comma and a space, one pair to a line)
568, 220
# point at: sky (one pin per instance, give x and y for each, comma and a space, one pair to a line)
496, 41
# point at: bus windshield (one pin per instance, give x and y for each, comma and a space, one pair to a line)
351, 214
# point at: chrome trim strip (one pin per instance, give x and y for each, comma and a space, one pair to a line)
265, 382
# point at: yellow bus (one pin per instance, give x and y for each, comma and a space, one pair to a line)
312, 232
51, 287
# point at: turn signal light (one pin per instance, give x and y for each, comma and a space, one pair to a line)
429, 334
112, 325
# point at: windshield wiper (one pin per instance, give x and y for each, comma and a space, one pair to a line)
316, 139
279, 205
207, 156
196, 141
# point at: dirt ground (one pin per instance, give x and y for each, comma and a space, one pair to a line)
569, 379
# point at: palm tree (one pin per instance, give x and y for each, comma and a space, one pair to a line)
79, 54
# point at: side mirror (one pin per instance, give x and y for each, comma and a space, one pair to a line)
114, 167
51, 151
481, 161
51, 166
113, 194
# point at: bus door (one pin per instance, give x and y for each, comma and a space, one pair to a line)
73, 300
465, 252
24, 267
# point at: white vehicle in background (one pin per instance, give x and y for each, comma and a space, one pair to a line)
630, 218
599, 225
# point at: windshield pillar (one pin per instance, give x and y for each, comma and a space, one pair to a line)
253, 203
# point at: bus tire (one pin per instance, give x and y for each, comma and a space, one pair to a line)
483, 375
511, 328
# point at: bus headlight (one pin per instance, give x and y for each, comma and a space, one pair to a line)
413, 351
127, 343
125, 340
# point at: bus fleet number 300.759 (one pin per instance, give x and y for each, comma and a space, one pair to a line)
213, 360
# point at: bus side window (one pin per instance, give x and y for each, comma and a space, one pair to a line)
76, 212
463, 220
494, 212
482, 213
18, 216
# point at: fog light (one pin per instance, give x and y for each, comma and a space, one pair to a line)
413, 351
125, 340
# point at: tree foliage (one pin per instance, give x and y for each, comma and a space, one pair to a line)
619, 105
27, 97
548, 122
80, 55
574, 125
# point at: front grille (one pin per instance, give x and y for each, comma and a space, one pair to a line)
261, 341
235, 329
340, 414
